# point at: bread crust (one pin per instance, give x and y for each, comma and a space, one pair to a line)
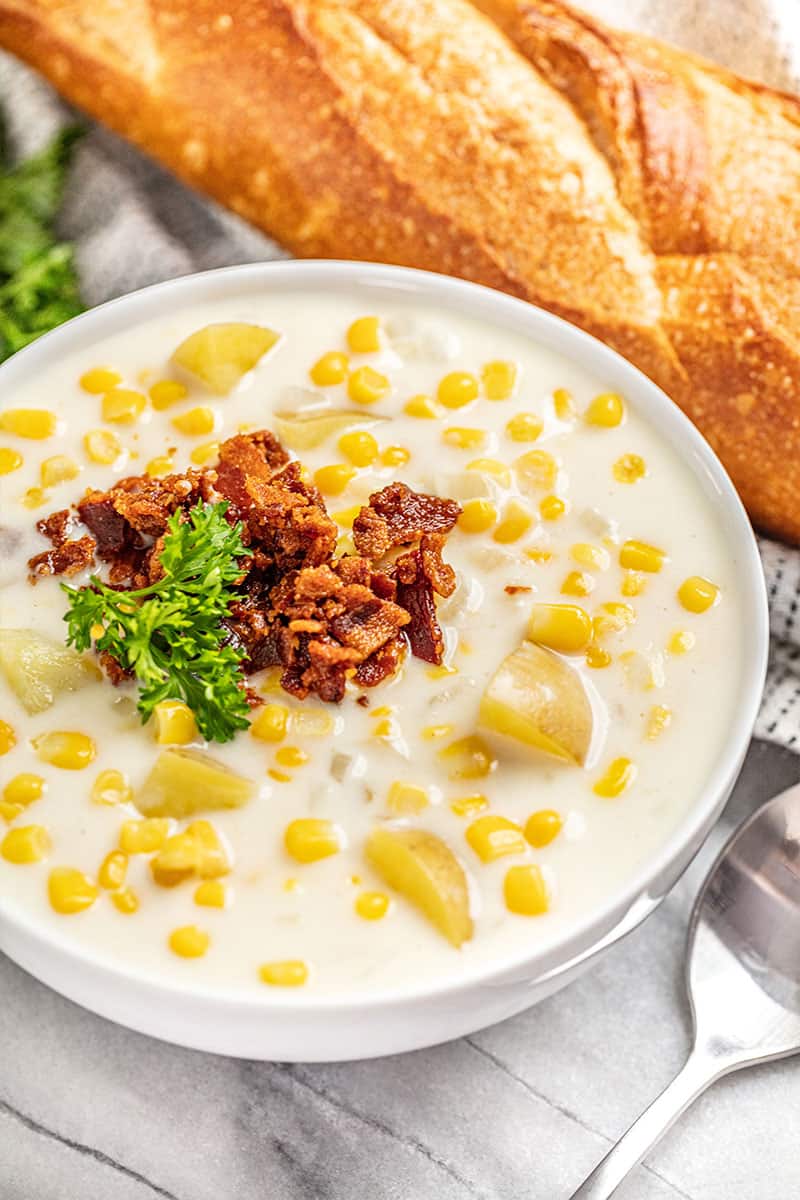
639, 192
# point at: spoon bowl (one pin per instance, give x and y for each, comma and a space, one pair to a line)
742, 975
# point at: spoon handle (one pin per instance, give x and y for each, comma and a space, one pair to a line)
693, 1078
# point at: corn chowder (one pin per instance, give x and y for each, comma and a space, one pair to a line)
452, 816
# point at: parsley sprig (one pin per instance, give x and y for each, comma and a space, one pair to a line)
170, 633
38, 284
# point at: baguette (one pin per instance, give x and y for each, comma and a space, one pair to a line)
639, 192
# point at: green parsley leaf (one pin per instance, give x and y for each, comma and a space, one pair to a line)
38, 283
169, 634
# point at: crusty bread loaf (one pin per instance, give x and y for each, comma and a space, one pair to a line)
646, 195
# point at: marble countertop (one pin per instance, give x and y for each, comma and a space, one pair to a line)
90, 1111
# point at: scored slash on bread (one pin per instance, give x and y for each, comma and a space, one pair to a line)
639, 192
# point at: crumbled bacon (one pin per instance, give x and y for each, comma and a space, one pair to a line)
322, 619
397, 516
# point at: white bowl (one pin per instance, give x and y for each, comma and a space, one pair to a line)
306, 1028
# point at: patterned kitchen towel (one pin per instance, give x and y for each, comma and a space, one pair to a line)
133, 225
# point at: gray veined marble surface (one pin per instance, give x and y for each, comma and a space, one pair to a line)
89, 1111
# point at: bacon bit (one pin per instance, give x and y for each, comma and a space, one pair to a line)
56, 526
513, 589
323, 620
397, 515
363, 700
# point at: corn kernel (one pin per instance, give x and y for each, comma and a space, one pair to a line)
681, 642
499, 379
330, 369
477, 516
174, 723
463, 438
166, 392
189, 942
457, 389
539, 554
524, 891
212, 893
639, 556
26, 844
470, 756
196, 851
102, 446
98, 380
113, 870
644, 671
536, 469
372, 905
271, 723
358, 447
618, 778
291, 756
406, 798
597, 657
70, 751
333, 480
111, 787
515, 523
606, 410
563, 405
34, 423
658, 719
542, 827
346, 516
432, 732
8, 739
309, 839
122, 405
467, 806
421, 407
205, 453
125, 901
10, 460
395, 456
34, 497
311, 722
612, 619
364, 335
578, 583
491, 837
70, 891
524, 427
196, 422
552, 507
697, 594
494, 468
384, 710
633, 583
365, 385
629, 468
565, 628
145, 836
279, 776
292, 973
587, 555
385, 728
21, 791
162, 464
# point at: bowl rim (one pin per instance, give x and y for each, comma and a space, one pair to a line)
670, 422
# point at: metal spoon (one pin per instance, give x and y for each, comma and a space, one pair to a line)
742, 976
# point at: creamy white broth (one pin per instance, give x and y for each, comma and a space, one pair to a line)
280, 909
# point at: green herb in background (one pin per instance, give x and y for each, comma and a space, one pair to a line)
169, 635
38, 284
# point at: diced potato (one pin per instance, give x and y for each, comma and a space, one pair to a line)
422, 868
537, 698
184, 782
219, 355
37, 668
306, 430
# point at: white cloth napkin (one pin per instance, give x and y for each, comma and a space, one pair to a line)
134, 225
